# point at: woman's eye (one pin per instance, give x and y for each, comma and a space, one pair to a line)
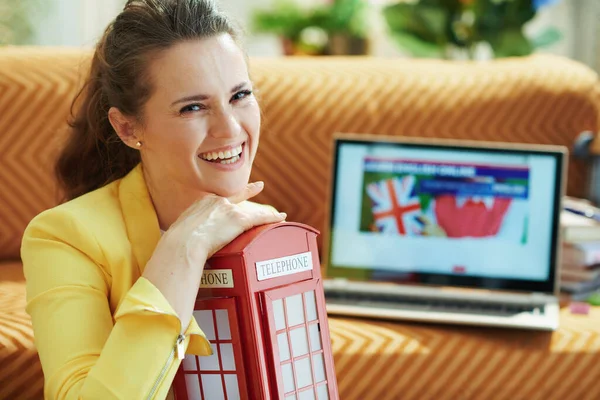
191, 108
241, 95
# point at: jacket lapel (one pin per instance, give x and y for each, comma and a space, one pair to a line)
139, 215
144, 233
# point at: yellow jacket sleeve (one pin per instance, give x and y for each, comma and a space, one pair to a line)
85, 351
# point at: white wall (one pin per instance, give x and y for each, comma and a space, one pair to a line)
75, 22
579, 21
81, 22
241, 11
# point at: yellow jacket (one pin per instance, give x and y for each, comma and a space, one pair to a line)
101, 330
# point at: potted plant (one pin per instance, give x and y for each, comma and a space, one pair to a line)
328, 29
16, 21
445, 28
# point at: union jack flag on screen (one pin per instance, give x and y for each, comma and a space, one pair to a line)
395, 207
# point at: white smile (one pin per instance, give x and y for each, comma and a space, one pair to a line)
223, 157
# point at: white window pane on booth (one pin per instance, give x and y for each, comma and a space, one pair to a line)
322, 392
284, 347
295, 310
227, 357
319, 366
306, 395
288, 378
315, 337
290, 397
192, 385
303, 372
232, 387
311, 305
299, 341
210, 363
278, 314
205, 321
212, 386
189, 363
223, 324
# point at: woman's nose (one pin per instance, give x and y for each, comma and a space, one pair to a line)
225, 125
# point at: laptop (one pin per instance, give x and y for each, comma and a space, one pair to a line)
444, 231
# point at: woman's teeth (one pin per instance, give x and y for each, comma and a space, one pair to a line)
223, 157
232, 160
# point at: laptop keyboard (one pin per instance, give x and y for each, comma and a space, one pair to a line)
403, 302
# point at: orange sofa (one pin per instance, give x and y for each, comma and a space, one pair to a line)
539, 99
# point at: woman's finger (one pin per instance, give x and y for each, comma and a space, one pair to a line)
251, 190
197, 206
267, 217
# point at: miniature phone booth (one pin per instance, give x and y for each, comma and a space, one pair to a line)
262, 307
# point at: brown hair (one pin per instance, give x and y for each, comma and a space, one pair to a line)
94, 155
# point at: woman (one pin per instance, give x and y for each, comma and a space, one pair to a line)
164, 138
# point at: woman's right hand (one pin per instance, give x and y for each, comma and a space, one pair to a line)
208, 225
211, 223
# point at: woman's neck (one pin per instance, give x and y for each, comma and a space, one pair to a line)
170, 199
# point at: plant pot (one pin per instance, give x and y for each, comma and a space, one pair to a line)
291, 48
341, 44
480, 51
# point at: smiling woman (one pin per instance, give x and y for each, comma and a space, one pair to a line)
202, 104
163, 139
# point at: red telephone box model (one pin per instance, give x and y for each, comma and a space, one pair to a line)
261, 306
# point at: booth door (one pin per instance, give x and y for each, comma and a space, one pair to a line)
220, 376
293, 318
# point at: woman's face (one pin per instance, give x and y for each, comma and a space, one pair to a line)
202, 122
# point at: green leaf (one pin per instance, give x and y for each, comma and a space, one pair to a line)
510, 43
447, 4
424, 22
348, 16
286, 19
19, 18
435, 20
547, 37
399, 18
494, 16
416, 46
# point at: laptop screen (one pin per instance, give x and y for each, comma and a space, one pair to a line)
446, 214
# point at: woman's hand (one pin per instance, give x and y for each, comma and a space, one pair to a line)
208, 225
213, 222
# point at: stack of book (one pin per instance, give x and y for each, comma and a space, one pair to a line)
580, 260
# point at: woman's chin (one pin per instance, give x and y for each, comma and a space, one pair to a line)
229, 190
224, 183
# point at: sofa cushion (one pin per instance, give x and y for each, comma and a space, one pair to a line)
36, 91
386, 360
539, 99
20, 372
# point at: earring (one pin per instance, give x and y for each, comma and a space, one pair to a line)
138, 144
